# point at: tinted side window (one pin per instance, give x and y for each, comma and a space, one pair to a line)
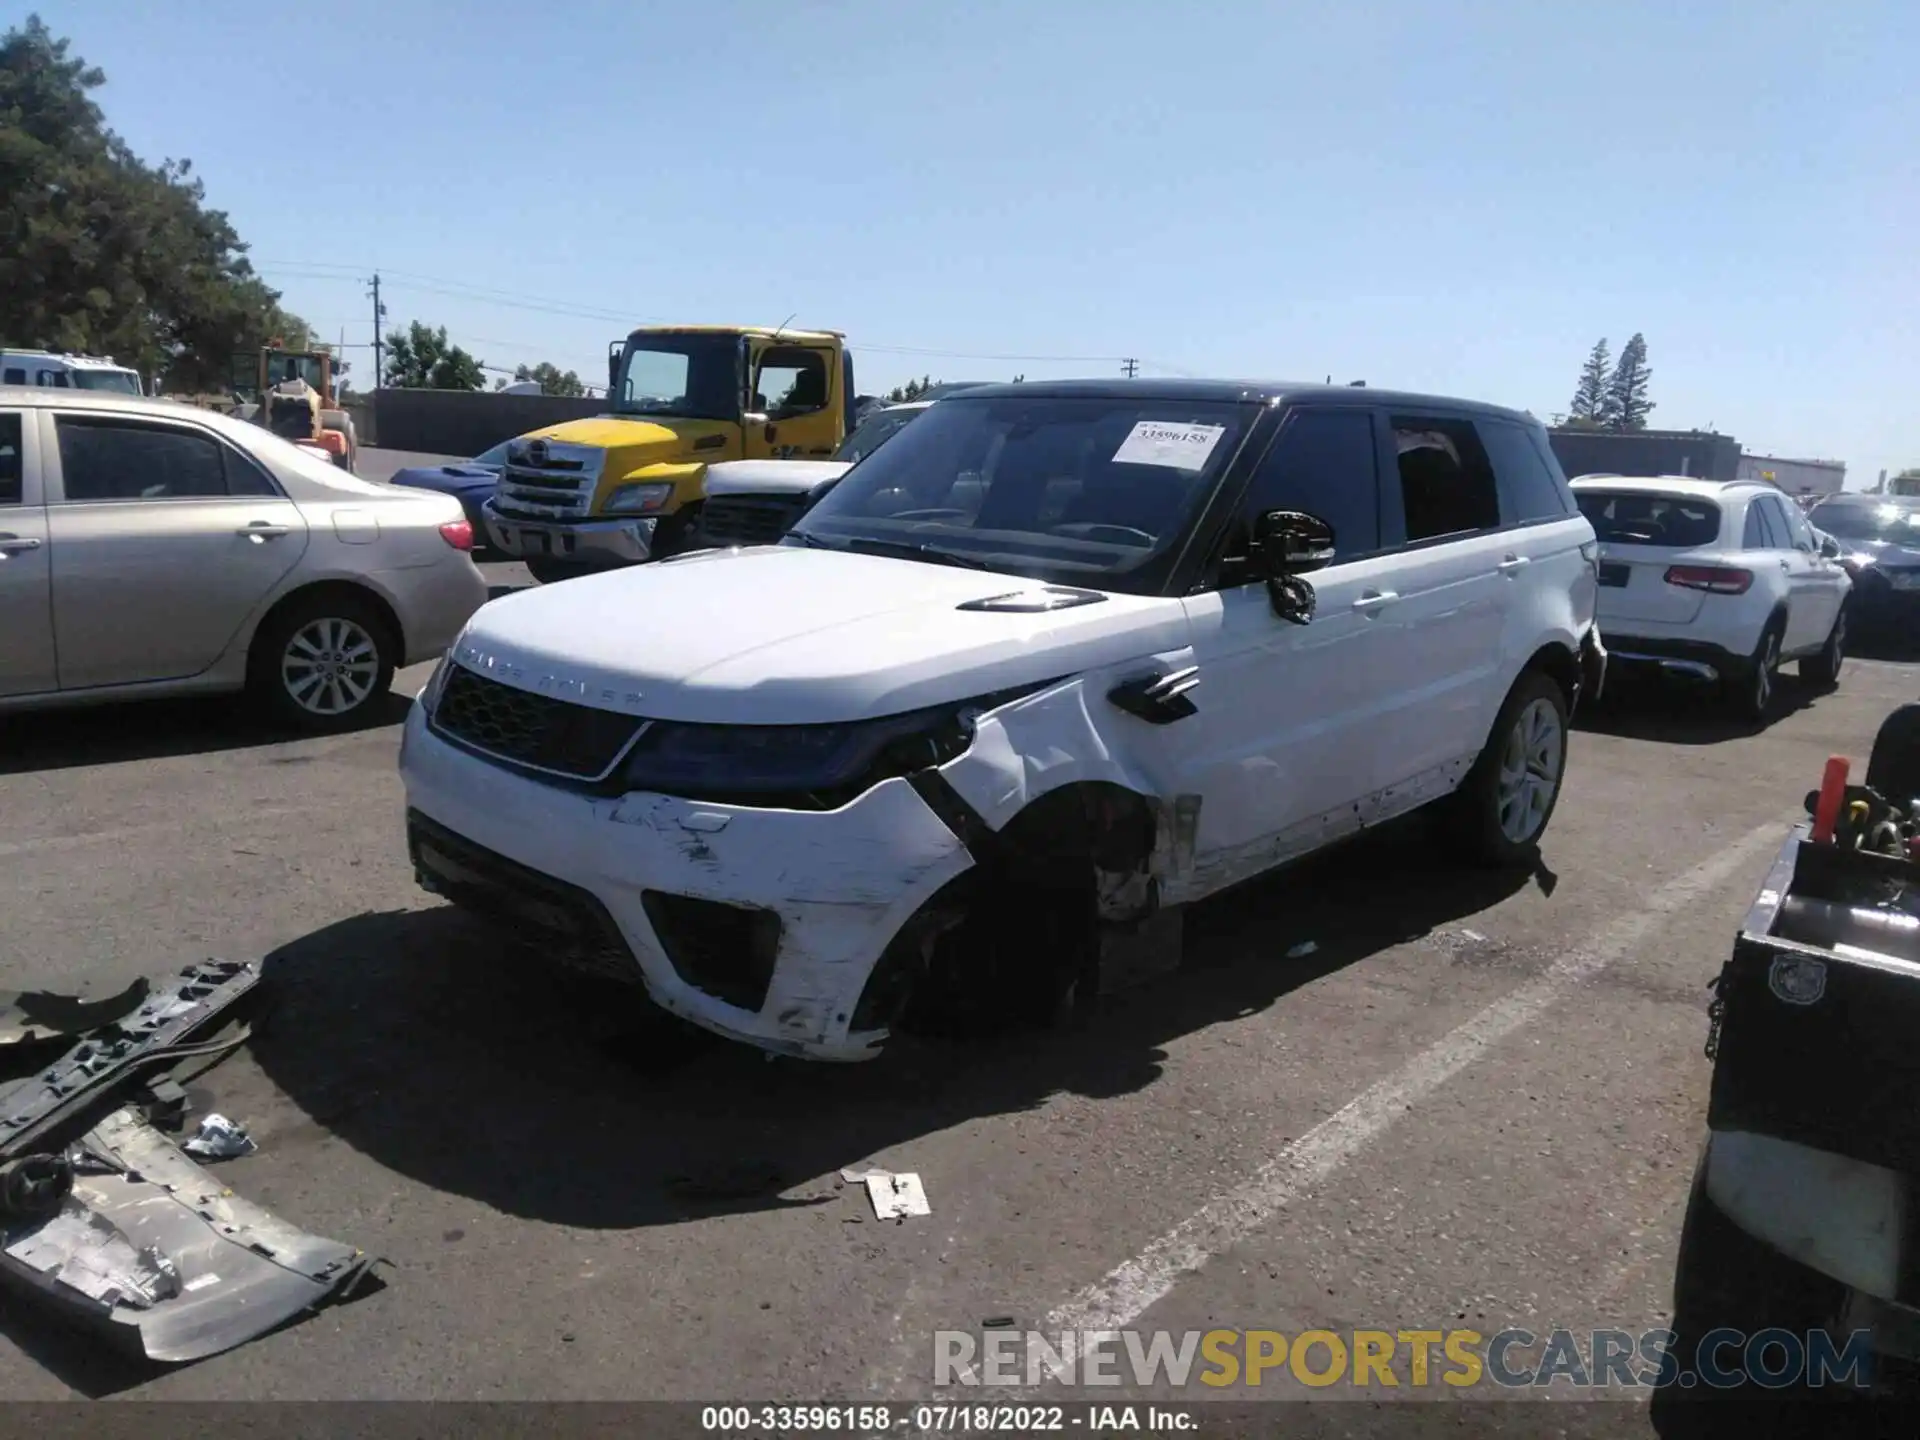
1756, 536
14, 376
1446, 481
1529, 489
1324, 462
1777, 526
123, 460
11, 460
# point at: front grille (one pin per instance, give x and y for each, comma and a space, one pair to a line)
538, 731
749, 519
535, 495
726, 951
576, 928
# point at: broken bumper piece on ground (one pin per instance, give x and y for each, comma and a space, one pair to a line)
114, 1225
158, 1254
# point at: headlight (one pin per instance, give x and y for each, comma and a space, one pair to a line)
638, 499
814, 766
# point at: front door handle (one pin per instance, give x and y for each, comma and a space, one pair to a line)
1374, 600
1513, 564
11, 544
261, 531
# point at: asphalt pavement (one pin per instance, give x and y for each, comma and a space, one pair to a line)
1386, 1094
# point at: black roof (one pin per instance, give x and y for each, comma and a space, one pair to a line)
1263, 392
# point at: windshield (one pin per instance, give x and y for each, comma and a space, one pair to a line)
494, 459
867, 439
1899, 523
1637, 517
692, 376
1094, 490
123, 382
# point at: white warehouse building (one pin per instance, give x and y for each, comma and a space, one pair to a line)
1796, 477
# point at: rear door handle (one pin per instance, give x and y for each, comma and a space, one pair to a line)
1374, 600
13, 544
1787, 565
1513, 563
260, 531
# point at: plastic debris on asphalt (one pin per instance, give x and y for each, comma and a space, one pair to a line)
895, 1197
219, 1138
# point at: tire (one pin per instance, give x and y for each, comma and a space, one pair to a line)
298, 688
1893, 767
1532, 726
1823, 670
551, 572
1750, 693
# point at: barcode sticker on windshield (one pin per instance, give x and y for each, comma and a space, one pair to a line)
1178, 447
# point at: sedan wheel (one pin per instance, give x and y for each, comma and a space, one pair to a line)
1530, 771
330, 667
324, 662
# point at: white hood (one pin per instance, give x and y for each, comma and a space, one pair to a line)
771, 477
792, 636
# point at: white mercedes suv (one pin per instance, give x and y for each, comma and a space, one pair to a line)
1716, 581
1053, 662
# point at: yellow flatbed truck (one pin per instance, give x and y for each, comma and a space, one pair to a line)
626, 487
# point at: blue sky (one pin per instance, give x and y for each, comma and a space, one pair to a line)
1458, 198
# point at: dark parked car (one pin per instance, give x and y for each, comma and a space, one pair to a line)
468, 481
1879, 539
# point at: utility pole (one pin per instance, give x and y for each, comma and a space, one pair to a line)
1131, 366
379, 315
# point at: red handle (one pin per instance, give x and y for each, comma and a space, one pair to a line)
1833, 792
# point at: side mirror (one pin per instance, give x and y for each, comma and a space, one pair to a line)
1829, 547
1291, 542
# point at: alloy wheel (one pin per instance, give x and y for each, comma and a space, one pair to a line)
330, 666
1530, 765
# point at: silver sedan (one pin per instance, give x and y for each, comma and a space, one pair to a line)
148, 548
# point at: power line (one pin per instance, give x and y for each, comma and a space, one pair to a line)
459, 290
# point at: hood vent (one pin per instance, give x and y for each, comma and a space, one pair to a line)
1035, 602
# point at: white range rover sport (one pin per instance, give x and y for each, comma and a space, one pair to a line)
1056, 661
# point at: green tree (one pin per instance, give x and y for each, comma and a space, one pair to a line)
423, 359
1627, 402
912, 390
103, 253
551, 379
1589, 405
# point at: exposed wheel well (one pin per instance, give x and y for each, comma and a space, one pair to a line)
396, 635
1007, 939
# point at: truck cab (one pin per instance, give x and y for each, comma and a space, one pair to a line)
627, 486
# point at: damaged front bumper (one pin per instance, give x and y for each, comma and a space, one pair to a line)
761, 925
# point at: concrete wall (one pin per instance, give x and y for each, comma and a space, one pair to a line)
1646, 452
1796, 477
465, 422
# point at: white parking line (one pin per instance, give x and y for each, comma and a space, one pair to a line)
1128, 1291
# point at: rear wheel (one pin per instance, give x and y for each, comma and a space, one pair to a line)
1502, 808
323, 663
1823, 670
1751, 694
